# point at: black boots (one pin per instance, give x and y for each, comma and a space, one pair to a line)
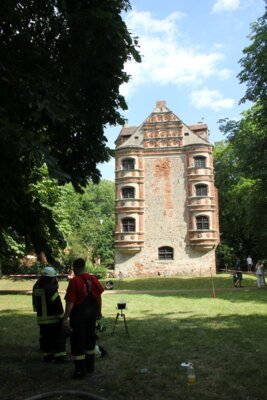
90, 363
84, 366
80, 369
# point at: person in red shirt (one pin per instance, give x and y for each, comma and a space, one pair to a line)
83, 307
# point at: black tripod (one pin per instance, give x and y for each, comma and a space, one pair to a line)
121, 315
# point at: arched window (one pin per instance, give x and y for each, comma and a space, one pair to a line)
201, 190
128, 192
166, 253
128, 225
128, 163
199, 162
202, 222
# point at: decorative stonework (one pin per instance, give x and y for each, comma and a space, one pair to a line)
166, 205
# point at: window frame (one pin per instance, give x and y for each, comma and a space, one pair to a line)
200, 187
200, 162
204, 223
165, 253
130, 226
130, 188
128, 164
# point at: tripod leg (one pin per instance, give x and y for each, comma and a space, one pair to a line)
125, 325
115, 324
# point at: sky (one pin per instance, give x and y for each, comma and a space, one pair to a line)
190, 51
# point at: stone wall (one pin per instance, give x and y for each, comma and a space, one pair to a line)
171, 161
165, 224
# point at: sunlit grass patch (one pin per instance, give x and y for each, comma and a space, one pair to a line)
223, 337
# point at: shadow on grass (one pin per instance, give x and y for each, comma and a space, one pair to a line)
227, 352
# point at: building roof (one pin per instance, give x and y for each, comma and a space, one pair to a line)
132, 136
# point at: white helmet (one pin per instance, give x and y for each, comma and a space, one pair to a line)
49, 271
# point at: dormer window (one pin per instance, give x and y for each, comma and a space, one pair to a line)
200, 162
201, 190
128, 163
128, 192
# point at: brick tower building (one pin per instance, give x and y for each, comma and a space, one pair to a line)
166, 201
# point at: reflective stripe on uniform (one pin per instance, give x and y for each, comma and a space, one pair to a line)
90, 351
44, 318
77, 358
63, 353
48, 354
49, 319
41, 293
53, 298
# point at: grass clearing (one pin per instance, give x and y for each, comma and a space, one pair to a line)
159, 283
223, 337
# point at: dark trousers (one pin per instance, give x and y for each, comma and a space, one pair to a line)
83, 323
52, 341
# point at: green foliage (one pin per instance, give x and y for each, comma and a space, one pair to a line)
100, 271
248, 138
241, 162
61, 69
240, 175
233, 191
225, 256
88, 222
241, 204
254, 63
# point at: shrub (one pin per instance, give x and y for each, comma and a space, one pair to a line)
98, 270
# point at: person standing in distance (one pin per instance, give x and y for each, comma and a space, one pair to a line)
249, 263
83, 307
48, 306
238, 274
260, 274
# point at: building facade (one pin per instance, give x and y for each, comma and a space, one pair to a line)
166, 201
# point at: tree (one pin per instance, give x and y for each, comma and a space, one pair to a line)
254, 64
242, 182
88, 221
234, 201
61, 68
244, 199
253, 128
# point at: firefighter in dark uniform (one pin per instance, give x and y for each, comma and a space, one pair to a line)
47, 303
83, 307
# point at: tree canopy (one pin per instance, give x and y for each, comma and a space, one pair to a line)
241, 162
61, 66
254, 63
87, 221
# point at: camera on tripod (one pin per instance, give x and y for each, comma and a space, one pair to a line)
121, 305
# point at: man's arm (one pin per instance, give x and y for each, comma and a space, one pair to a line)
68, 309
100, 307
98, 290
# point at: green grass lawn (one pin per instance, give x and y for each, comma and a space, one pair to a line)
158, 283
224, 338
